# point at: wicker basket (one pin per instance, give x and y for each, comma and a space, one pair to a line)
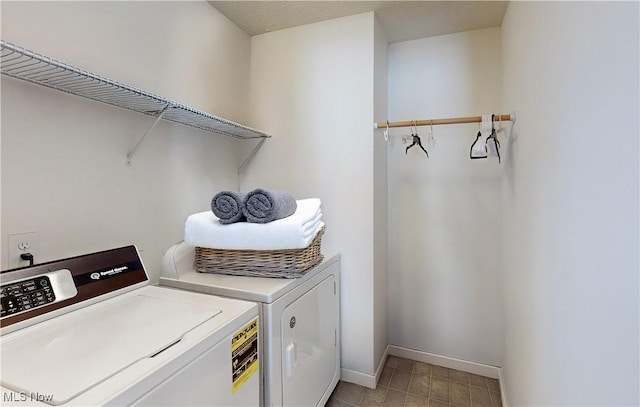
287, 263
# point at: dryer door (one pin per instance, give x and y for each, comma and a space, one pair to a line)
309, 345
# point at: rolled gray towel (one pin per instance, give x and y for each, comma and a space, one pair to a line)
227, 206
264, 205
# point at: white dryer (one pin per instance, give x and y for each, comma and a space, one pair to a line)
89, 331
300, 321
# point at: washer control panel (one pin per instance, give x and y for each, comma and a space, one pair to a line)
34, 292
25, 295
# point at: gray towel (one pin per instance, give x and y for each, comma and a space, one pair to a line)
227, 206
264, 205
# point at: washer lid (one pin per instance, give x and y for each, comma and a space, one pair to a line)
66, 356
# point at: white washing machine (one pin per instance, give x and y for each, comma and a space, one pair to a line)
300, 324
89, 331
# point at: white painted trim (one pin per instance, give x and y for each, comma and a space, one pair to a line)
383, 360
503, 392
445, 361
370, 381
362, 379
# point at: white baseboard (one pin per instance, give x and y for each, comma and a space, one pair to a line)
383, 360
445, 361
503, 393
370, 381
364, 379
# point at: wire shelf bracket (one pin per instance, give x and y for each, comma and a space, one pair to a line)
20, 63
153, 125
251, 155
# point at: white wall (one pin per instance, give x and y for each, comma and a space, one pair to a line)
571, 204
63, 157
312, 88
380, 196
444, 212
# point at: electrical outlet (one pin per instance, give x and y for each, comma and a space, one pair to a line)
23, 243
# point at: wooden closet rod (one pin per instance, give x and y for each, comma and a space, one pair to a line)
454, 120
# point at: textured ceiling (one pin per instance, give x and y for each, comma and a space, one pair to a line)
401, 20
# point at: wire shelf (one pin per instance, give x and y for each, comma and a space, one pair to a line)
29, 66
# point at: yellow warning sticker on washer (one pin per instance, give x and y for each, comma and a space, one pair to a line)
244, 354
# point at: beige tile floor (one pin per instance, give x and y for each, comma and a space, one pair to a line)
407, 383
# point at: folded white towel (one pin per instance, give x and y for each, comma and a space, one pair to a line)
293, 232
311, 225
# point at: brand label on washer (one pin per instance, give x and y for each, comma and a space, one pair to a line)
98, 275
244, 354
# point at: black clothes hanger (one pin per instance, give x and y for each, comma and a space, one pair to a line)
493, 138
415, 140
484, 153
